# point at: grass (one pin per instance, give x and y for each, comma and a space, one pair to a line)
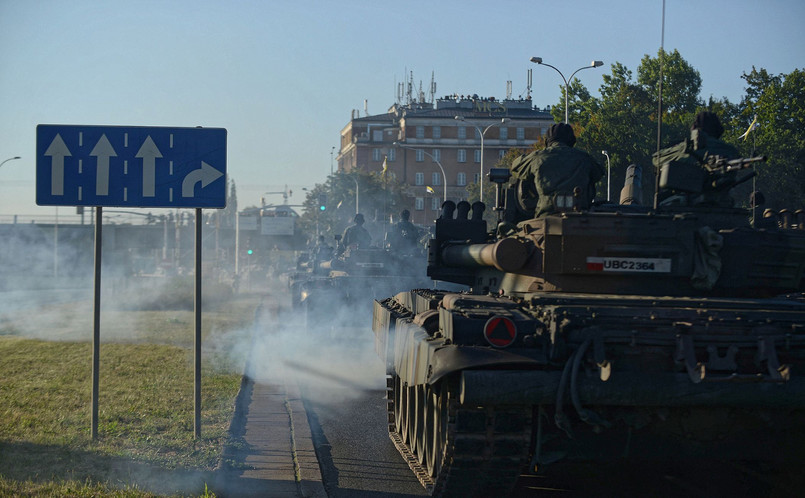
145, 444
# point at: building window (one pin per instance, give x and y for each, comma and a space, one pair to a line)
461, 179
462, 132
520, 133
435, 204
377, 154
477, 155
437, 155
462, 155
420, 132
437, 132
504, 133
436, 179
477, 177
420, 156
420, 178
377, 136
501, 153
419, 204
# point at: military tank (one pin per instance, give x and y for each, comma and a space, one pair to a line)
600, 333
333, 293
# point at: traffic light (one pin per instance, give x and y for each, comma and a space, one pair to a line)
322, 202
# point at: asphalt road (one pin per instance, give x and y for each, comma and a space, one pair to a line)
346, 408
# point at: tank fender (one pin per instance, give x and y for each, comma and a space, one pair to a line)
413, 348
452, 358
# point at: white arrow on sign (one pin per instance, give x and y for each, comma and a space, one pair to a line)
57, 150
103, 150
149, 152
206, 174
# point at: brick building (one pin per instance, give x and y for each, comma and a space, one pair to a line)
417, 137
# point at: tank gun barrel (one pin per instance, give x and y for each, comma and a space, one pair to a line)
509, 254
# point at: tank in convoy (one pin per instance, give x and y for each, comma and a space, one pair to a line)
600, 331
334, 286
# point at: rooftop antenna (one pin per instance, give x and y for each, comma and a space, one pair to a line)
432, 86
409, 94
508, 89
528, 92
659, 113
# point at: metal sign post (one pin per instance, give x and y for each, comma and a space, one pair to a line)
96, 320
132, 166
197, 341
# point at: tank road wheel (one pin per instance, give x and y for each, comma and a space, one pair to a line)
419, 423
436, 440
398, 403
405, 420
412, 418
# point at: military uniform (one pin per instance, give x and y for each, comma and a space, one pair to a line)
695, 152
356, 235
560, 169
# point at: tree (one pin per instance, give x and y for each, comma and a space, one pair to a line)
378, 198
778, 101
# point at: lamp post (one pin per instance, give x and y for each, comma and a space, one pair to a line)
606, 154
593, 64
444, 177
331, 160
482, 133
10, 159
357, 196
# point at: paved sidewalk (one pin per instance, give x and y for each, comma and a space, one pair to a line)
274, 454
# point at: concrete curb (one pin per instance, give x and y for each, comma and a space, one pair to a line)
305, 458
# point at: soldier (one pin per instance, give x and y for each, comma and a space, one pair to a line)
405, 235
704, 143
355, 235
560, 169
707, 123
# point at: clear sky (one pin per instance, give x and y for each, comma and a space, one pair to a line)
284, 76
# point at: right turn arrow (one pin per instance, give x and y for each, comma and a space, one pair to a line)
206, 174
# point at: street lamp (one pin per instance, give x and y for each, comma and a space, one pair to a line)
357, 196
482, 133
593, 64
331, 160
605, 153
10, 159
444, 177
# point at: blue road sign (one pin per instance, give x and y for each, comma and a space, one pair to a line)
130, 166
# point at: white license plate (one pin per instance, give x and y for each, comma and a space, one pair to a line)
638, 265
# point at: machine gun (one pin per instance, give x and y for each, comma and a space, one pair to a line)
719, 169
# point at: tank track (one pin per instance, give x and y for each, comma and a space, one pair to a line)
486, 449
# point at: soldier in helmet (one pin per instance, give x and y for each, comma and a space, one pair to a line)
405, 235
355, 235
709, 131
561, 169
704, 143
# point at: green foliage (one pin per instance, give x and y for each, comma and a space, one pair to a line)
778, 101
681, 83
378, 198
